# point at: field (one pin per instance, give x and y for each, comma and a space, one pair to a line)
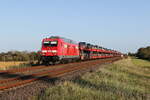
7, 65
127, 79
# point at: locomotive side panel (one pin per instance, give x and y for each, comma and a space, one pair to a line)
68, 50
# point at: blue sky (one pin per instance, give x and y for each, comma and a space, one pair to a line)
123, 25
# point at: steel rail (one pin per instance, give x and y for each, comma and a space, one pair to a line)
52, 74
18, 77
40, 73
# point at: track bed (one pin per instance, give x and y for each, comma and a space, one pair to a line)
21, 78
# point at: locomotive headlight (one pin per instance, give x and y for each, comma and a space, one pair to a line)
44, 51
54, 51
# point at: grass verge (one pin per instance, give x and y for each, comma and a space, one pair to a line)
127, 79
11, 65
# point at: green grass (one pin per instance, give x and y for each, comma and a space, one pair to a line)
128, 79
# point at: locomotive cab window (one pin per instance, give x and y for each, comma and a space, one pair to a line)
46, 43
53, 43
50, 43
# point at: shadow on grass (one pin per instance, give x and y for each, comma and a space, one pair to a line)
87, 84
132, 74
112, 89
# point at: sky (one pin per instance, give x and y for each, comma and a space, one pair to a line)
123, 25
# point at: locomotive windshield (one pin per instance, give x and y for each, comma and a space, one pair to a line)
50, 43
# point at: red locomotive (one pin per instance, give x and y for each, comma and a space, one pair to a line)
59, 50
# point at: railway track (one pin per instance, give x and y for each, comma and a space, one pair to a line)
25, 71
44, 72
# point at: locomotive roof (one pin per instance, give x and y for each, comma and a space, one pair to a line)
65, 39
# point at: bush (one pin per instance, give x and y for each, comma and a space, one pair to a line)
19, 56
144, 53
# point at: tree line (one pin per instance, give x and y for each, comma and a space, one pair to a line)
144, 53
19, 56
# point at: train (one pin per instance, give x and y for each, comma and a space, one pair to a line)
56, 49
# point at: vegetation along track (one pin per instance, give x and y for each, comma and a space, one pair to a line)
50, 72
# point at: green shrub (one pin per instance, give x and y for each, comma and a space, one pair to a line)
144, 53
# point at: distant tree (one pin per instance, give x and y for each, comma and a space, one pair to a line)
131, 54
19, 56
144, 53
